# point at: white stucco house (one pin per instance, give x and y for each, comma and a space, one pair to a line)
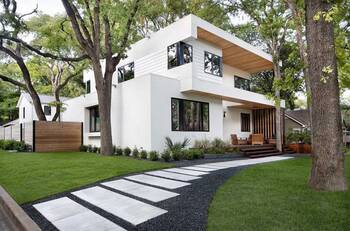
27, 111
190, 79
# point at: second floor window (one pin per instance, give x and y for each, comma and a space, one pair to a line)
212, 64
242, 83
94, 119
88, 87
47, 110
126, 72
178, 54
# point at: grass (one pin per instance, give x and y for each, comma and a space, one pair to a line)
31, 176
275, 196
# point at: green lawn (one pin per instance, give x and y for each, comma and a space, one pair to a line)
275, 196
31, 176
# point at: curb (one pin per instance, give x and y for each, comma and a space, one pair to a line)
15, 214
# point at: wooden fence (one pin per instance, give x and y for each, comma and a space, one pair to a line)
46, 136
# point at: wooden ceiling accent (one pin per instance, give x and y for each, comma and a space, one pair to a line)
234, 55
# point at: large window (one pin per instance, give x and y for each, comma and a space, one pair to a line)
126, 72
187, 115
242, 83
178, 54
88, 87
212, 64
245, 122
94, 119
47, 110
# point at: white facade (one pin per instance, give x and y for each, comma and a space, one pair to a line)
141, 107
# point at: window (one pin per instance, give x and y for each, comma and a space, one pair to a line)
88, 87
94, 119
24, 112
188, 115
126, 72
178, 54
242, 83
245, 122
212, 64
47, 110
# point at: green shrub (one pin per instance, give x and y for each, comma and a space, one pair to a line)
153, 156
14, 145
118, 151
231, 149
188, 154
127, 151
177, 154
216, 150
202, 144
298, 137
196, 153
135, 153
94, 149
166, 155
177, 145
98, 150
89, 148
218, 143
83, 148
143, 154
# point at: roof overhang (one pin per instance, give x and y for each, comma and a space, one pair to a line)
236, 52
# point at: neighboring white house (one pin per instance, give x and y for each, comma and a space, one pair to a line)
190, 79
27, 111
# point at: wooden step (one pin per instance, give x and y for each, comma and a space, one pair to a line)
267, 154
256, 148
261, 152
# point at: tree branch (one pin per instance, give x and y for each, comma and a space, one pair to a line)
126, 35
43, 54
12, 81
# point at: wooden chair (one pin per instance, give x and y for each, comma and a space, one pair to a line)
234, 139
257, 139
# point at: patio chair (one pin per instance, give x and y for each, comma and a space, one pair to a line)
234, 139
257, 139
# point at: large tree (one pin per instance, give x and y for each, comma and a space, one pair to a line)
103, 29
327, 172
17, 51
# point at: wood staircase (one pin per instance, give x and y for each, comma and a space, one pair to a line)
255, 151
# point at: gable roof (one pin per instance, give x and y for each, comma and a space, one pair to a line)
44, 99
301, 117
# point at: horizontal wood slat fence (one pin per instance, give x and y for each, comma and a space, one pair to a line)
46, 136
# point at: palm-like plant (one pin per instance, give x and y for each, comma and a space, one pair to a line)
176, 145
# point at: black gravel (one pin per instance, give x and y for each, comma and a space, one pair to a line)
188, 211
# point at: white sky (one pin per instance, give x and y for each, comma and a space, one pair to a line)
50, 7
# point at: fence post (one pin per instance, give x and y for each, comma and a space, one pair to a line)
33, 139
82, 133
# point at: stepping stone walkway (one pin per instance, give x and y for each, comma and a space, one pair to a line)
133, 200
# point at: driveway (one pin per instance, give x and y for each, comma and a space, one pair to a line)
170, 199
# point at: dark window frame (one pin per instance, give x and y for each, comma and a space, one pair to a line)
24, 112
245, 127
182, 115
47, 110
238, 78
88, 87
121, 76
180, 54
93, 119
221, 64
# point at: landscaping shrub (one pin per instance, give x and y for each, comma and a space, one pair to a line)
89, 148
230, 149
153, 156
118, 151
197, 153
177, 154
218, 143
202, 144
14, 145
135, 153
298, 137
83, 148
166, 155
188, 154
177, 145
127, 151
143, 154
94, 149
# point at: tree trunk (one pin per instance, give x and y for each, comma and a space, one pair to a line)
104, 92
327, 172
277, 73
58, 106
